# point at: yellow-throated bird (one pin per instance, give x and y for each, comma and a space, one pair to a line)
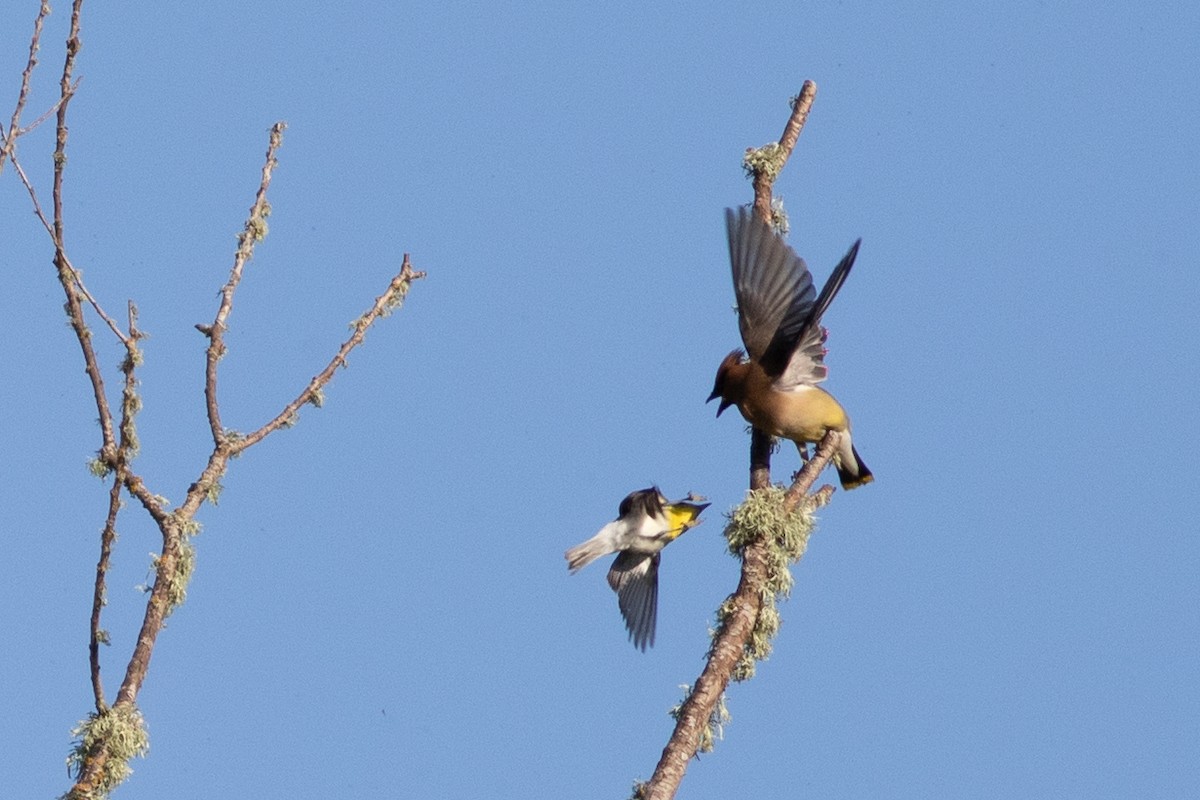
779, 314
646, 523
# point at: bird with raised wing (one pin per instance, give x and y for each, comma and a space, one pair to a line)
779, 316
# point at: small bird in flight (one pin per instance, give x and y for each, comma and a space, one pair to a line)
646, 523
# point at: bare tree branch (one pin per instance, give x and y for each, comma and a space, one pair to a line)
254, 232
33, 195
67, 274
765, 179
108, 536
384, 304
100, 759
15, 131
14, 126
127, 448
115, 733
9, 151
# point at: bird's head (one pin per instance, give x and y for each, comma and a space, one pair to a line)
722, 385
647, 502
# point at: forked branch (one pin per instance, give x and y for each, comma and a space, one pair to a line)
113, 734
95, 758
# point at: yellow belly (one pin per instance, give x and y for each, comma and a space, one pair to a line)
802, 415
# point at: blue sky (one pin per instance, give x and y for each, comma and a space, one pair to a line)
381, 605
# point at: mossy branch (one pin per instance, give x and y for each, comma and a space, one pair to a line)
769, 531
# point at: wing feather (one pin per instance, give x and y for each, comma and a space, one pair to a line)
634, 577
806, 361
774, 289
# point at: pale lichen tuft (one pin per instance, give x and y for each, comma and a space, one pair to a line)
762, 517
767, 160
121, 733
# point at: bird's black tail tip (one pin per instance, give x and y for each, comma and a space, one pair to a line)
855, 475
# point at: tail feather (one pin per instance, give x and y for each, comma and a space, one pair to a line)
583, 554
852, 472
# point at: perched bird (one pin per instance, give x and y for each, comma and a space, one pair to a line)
779, 314
646, 523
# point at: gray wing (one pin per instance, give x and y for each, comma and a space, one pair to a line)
806, 361
774, 289
634, 577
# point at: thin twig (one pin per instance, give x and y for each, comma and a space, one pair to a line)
229, 447
67, 274
49, 112
99, 592
74, 273
763, 180
127, 448
33, 196
397, 288
100, 312
807, 475
10, 141
253, 232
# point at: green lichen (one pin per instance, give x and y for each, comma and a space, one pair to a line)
177, 580
395, 297
767, 161
779, 217
121, 733
762, 517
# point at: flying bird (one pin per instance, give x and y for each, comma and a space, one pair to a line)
779, 315
646, 523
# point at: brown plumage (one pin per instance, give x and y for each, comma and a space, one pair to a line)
779, 316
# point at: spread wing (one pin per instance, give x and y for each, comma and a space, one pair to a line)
806, 361
774, 289
634, 577
779, 311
